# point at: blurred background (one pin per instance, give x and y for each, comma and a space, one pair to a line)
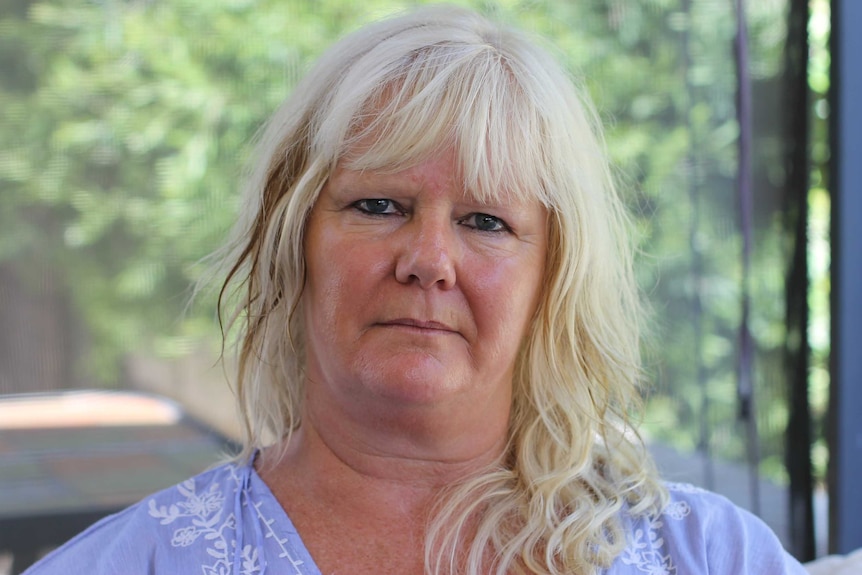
125, 129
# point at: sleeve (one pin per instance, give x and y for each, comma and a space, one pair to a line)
715, 536
191, 527
758, 549
116, 544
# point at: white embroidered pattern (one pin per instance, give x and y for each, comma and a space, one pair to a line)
646, 550
684, 488
281, 542
205, 510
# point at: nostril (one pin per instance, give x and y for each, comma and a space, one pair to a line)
426, 269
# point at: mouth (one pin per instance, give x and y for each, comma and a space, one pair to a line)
420, 326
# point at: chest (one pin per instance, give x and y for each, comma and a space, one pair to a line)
360, 544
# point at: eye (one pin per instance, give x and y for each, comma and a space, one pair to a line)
485, 223
377, 206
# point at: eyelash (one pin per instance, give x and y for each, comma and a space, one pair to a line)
362, 206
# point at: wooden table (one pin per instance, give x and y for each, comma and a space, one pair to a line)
69, 459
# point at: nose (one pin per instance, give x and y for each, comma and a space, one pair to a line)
427, 252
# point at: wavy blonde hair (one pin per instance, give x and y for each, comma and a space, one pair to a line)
406, 88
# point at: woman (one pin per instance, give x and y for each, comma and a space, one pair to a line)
439, 326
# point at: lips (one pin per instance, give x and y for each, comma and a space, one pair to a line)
431, 326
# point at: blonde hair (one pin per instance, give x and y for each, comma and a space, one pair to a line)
387, 97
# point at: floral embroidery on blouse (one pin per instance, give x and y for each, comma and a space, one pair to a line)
204, 513
646, 549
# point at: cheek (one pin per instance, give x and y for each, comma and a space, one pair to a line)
506, 298
321, 295
324, 295
340, 283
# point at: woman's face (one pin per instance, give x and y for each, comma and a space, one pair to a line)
416, 293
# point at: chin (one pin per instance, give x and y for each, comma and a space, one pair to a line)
419, 382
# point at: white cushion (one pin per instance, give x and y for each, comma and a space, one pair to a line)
837, 564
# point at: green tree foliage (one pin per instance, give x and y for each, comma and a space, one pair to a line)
126, 124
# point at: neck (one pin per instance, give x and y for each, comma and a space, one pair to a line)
378, 476
389, 456
430, 442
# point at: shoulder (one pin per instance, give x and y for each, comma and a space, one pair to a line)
140, 539
702, 532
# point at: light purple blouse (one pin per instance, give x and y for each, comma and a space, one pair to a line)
226, 521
